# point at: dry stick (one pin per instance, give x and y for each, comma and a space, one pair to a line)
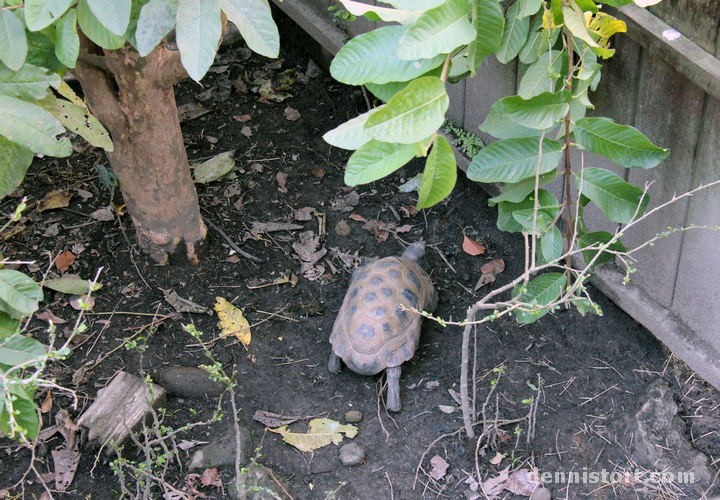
442, 256
231, 242
130, 251
427, 450
379, 397
392, 494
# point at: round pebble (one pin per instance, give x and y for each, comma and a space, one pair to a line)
541, 494
353, 417
342, 228
352, 454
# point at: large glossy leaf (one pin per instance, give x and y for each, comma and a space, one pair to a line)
541, 291
512, 160
537, 42
514, 35
575, 22
24, 414
157, 18
380, 13
198, 32
13, 42
438, 31
20, 349
42, 13
489, 23
8, 327
551, 244
94, 29
255, 23
19, 294
79, 121
29, 82
419, 5
350, 135
539, 112
517, 192
375, 160
15, 161
546, 201
67, 41
385, 91
498, 124
622, 144
530, 224
41, 51
372, 57
618, 200
411, 115
113, 14
528, 7
595, 239
440, 174
540, 76
32, 127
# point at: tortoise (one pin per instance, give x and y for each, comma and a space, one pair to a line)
372, 332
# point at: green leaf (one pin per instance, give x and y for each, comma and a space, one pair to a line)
541, 291
440, 174
214, 168
372, 57
622, 144
67, 42
8, 326
512, 160
79, 121
498, 124
19, 294
32, 127
386, 91
198, 32
156, 20
20, 349
526, 219
518, 191
616, 198
489, 23
40, 14
13, 42
546, 202
551, 244
595, 239
514, 35
41, 52
26, 418
540, 76
411, 115
381, 13
256, 25
537, 42
375, 160
528, 7
94, 29
617, 3
575, 22
72, 286
437, 31
15, 161
131, 31
350, 135
113, 14
419, 5
539, 112
29, 82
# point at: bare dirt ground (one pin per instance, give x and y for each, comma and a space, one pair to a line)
585, 373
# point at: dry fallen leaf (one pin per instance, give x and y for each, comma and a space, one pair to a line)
185, 445
519, 483
210, 477
269, 227
292, 114
103, 214
64, 260
82, 302
257, 167
282, 181
232, 321
55, 199
303, 214
233, 259
66, 463
246, 131
242, 118
181, 304
319, 173
47, 404
47, 315
321, 432
269, 419
497, 458
191, 111
495, 267
439, 467
472, 247
357, 217
494, 486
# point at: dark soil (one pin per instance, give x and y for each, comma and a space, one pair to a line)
593, 369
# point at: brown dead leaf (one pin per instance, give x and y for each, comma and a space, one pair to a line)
345, 203
497, 458
210, 477
85, 195
242, 118
55, 199
319, 173
233, 259
495, 267
269, 419
103, 214
47, 404
357, 217
303, 214
292, 114
48, 315
439, 467
485, 279
519, 483
409, 211
403, 229
240, 86
64, 260
472, 247
82, 302
257, 167
377, 229
246, 131
66, 463
494, 485
191, 111
282, 180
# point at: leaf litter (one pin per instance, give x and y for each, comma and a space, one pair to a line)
321, 432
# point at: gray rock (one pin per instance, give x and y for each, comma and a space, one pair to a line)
352, 454
187, 382
655, 439
342, 228
353, 417
541, 494
255, 477
221, 452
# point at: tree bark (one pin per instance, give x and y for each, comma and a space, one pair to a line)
133, 98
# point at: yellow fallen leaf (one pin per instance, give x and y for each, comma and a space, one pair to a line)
55, 199
322, 432
232, 321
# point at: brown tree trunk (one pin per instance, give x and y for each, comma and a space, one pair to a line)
133, 98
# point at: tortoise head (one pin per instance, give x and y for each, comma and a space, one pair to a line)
415, 251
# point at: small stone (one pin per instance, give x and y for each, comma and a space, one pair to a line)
352, 454
342, 228
541, 494
187, 382
221, 452
353, 417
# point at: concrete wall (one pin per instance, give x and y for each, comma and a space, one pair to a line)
670, 91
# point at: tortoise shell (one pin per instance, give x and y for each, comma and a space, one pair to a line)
372, 331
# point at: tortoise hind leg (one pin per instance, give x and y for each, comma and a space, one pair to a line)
334, 362
393, 394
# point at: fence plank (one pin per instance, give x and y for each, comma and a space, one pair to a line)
699, 20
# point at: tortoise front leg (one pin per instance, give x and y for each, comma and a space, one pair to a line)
393, 394
334, 362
